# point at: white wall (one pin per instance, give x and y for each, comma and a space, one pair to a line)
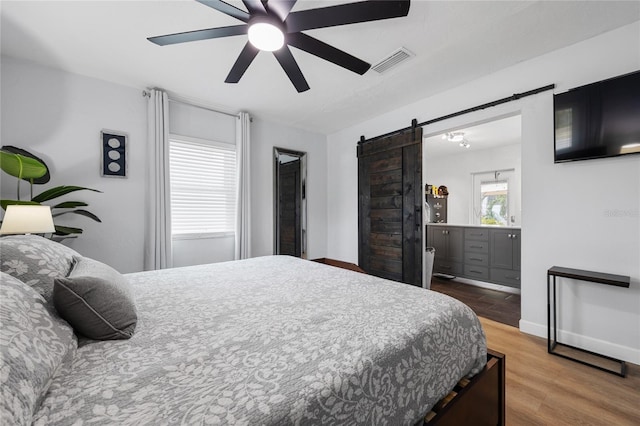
455, 172
58, 116
264, 137
198, 251
582, 215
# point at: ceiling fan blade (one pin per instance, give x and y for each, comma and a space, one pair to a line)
290, 66
327, 52
254, 6
227, 9
343, 14
281, 8
247, 56
209, 33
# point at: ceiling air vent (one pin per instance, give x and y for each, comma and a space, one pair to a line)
392, 60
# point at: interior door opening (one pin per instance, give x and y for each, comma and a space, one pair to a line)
480, 166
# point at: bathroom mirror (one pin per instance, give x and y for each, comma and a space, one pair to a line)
290, 202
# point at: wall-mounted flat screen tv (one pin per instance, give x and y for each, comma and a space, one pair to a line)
598, 120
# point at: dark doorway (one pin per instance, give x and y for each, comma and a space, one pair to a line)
290, 203
289, 198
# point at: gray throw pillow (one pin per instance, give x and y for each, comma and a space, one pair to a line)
96, 300
33, 345
36, 261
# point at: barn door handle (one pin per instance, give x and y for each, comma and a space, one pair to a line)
417, 216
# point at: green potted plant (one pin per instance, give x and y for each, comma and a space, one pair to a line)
23, 165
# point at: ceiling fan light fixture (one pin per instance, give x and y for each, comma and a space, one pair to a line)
266, 34
272, 26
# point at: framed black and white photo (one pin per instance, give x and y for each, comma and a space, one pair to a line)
113, 159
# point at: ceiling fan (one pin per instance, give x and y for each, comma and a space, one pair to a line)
271, 26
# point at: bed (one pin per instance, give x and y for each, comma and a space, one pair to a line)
271, 340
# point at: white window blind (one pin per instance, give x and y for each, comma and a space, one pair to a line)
203, 186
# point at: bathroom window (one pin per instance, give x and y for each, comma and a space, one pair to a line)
492, 204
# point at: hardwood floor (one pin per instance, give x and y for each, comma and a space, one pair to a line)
543, 389
496, 305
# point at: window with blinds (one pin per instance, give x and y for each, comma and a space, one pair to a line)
203, 187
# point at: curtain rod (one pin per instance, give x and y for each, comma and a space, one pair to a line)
414, 123
203, 107
171, 98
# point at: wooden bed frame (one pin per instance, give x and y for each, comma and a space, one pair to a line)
339, 264
479, 401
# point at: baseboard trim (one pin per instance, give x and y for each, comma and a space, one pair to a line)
490, 286
614, 350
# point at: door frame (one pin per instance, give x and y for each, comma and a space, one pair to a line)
302, 156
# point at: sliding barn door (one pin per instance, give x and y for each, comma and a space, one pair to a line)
390, 207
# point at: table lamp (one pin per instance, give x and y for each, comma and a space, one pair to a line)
27, 219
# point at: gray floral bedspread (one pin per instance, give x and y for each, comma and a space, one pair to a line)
271, 341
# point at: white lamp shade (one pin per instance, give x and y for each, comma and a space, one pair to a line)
27, 219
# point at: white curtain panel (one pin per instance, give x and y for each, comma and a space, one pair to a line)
243, 198
158, 233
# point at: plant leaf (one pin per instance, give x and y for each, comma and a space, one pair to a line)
34, 181
5, 203
59, 191
59, 238
20, 166
80, 212
70, 205
66, 230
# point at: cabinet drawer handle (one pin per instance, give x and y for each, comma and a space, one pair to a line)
476, 258
476, 246
475, 272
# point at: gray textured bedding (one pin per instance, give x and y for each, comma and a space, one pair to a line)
271, 340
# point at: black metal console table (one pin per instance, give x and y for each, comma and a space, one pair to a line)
578, 274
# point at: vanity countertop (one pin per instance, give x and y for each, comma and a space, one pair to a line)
473, 226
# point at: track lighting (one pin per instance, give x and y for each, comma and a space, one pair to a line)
457, 137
